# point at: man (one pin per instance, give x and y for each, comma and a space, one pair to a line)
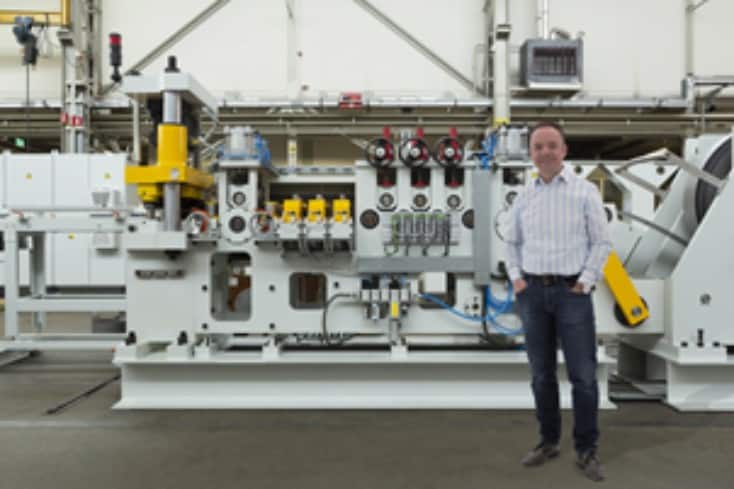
558, 243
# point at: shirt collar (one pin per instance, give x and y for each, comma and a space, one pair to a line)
563, 176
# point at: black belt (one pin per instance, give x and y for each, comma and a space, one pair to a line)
548, 279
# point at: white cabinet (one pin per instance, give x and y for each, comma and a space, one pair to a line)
68, 180
28, 181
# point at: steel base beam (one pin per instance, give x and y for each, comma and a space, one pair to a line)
417, 380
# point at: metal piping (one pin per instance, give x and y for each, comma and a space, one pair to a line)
543, 19
172, 206
688, 38
171, 108
707, 81
137, 153
501, 63
171, 190
675, 103
690, 35
303, 105
675, 127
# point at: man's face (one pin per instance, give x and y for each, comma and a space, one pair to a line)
547, 150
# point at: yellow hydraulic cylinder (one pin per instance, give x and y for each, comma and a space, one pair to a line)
628, 299
172, 145
172, 167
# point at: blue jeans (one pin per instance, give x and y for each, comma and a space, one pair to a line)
549, 314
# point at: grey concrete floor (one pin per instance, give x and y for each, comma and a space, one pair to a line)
89, 445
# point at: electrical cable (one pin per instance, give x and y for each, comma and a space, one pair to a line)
329, 302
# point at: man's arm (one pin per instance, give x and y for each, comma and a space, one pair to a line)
600, 242
514, 239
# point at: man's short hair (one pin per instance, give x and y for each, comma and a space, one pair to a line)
542, 124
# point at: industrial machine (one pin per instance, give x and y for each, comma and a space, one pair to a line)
685, 248
383, 284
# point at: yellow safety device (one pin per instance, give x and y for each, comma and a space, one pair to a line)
171, 168
316, 210
292, 210
628, 299
341, 210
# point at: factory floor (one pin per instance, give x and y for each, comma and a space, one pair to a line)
644, 444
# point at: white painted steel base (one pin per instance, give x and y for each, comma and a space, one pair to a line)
338, 380
701, 387
696, 378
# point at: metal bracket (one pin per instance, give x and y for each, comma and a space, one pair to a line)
666, 155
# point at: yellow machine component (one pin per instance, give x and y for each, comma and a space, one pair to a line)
188, 192
341, 210
292, 210
628, 299
500, 121
172, 145
150, 193
171, 168
316, 210
160, 174
395, 310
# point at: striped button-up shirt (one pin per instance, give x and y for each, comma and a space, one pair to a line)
558, 228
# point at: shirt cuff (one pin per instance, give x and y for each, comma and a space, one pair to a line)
587, 280
514, 273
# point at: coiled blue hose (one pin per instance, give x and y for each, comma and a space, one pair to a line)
491, 304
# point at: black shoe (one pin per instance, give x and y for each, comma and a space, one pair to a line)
541, 454
590, 466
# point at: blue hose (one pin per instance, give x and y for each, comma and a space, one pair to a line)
489, 146
500, 307
263, 152
490, 303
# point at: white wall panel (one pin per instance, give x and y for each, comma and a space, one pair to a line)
632, 47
